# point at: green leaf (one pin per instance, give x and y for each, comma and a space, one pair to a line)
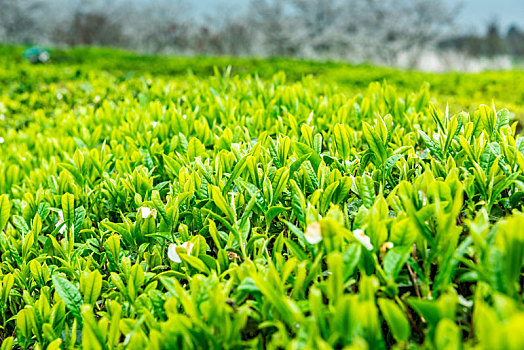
391, 161
448, 335
159, 206
507, 182
169, 284
239, 167
304, 150
296, 250
7, 343
403, 232
343, 190
70, 295
195, 148
427, 309
310, 177
298, 233
24, 324
248, 286
20, 224
434, 114
503, 118
80, 215
376, 144
92, 337
395, 260
366, 190
5, 209
433, 147
395, 318
68, 209
135, 281
193, 261
279, 183
298, 203
274, 212
342, 141
327, 196
91, 286
297, 163
221, 203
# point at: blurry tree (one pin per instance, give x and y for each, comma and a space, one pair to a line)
494, 43
274, 30
384, 29
320, 26
395, 32
515, 40
222, 37
93, 28
374, 30
20, 20
225, 31
91, 23
159, 25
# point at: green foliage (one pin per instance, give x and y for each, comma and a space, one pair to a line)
245, 212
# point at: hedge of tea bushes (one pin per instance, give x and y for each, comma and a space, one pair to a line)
463, 91
239, 212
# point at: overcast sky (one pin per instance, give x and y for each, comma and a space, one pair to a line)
476, 13
474, 16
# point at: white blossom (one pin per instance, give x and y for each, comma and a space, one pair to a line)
362, 238
313, 233
61, 221
145, 211
423, 198
173, 255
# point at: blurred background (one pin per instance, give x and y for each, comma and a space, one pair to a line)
430, 35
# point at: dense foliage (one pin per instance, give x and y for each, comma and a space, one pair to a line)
236, 212
460, 90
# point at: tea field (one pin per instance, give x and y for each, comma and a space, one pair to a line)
162, 203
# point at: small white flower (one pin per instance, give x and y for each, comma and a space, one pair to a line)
154, 124
173, 255
97, 98
362, 238
1, 139
313, 233
60, 222
184, 116
423, 198
187, 246
145, 211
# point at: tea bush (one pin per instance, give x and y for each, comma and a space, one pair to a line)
243, 212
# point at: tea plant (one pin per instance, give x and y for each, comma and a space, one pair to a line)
238, 212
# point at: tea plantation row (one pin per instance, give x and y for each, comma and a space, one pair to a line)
235, 211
